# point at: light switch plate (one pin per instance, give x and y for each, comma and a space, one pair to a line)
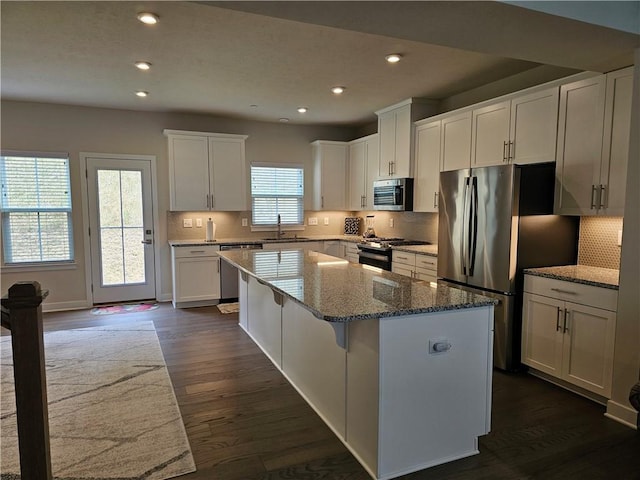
245, 222
187, 222
326, 220
199, 222
391, 222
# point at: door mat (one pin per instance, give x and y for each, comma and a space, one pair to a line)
233, 307
124, 308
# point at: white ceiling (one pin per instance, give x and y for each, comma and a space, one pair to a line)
223, 57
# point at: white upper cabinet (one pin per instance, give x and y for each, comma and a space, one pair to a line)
615, 148
396, 135
519, 130
456, 141
593, 145
207, 171
363, 170
329, 175
427, 168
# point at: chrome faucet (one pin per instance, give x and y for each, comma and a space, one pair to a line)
280, 232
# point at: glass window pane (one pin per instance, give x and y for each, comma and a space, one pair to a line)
133, 255
111, 256
132, 199
109, 198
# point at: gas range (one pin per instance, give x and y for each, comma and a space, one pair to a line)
381, 244
376, 252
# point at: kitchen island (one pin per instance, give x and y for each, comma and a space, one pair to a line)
399, 369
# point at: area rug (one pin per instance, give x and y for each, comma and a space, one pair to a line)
112, 409
124, 308
229, 307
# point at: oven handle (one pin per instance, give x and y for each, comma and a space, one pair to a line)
373, 256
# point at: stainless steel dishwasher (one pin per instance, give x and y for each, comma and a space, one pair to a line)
229, 273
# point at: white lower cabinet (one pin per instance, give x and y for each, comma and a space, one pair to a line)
196, 276
415, 265
568, 332
350, 251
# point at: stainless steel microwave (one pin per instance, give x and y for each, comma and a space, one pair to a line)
393, 194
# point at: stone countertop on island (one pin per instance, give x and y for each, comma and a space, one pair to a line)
431, 250
595, 276
338, 291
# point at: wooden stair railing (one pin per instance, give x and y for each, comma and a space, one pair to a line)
22, 315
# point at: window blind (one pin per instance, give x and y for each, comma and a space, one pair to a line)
277, 191
36, 209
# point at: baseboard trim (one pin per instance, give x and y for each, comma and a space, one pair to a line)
63, 306
622, 414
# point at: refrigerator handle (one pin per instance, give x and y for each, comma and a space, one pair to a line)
464, 244
473, 225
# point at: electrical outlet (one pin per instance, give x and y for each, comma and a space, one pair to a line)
391, 222
326, 220
199, 222
312, 221
187, 222
245, 222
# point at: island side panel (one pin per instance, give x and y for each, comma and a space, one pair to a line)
264, 318
363, 392
243, 287
314, 363
433, 406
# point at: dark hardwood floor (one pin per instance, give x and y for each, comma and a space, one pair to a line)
244, 421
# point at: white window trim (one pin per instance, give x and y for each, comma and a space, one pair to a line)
42, 266
270, 228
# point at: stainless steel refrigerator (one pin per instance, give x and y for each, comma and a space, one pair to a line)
493, 223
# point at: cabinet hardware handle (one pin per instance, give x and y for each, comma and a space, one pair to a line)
568, 292
435, 199
196, 251
558, 319
218, 264
207, 200
512, 149
594, 197
213, 202
565, 327
322, 201
504, 151
602, 197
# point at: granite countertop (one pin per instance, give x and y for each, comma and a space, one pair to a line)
338, 291
253, 240
431, 250
596, 276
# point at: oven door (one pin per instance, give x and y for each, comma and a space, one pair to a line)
375, 259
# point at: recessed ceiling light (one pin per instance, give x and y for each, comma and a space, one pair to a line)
148, 18
284, 120
302, 109
143, 65
337, 90
393, 58
142, 93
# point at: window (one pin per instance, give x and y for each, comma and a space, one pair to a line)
36, 208
277, 190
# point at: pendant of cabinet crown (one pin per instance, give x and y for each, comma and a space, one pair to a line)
593, 144
329, 175
363, 170
396, 135
207, 171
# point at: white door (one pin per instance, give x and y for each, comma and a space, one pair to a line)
121, 229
